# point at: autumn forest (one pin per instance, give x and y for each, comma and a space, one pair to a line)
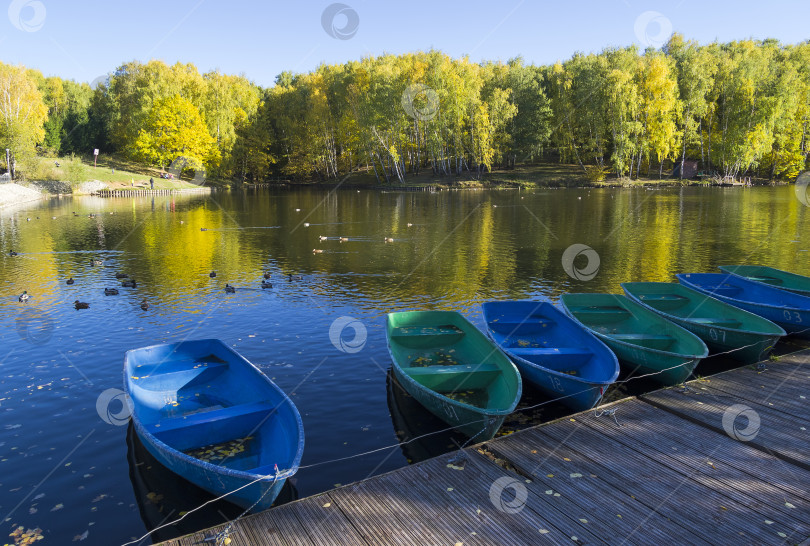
739, 108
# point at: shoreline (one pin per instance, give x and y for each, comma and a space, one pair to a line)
15, 194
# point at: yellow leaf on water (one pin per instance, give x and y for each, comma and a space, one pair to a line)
566, 459
619, 516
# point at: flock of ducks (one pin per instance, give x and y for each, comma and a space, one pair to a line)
131, 283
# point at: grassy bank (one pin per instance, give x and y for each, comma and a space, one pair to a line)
115, 173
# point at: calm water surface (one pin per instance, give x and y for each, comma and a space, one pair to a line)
67, 471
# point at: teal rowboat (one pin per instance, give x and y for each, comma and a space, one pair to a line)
644, 341
723, 327
769, 275
453, 370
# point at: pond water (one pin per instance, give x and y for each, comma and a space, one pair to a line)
71, 469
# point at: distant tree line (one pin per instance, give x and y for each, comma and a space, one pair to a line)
739, 108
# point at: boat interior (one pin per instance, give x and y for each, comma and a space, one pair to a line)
203, 402
442, 359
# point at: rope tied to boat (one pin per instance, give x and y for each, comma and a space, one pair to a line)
223, 538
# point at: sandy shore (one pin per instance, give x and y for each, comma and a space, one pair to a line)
14, 194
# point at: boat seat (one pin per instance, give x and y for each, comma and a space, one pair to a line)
464, 368
765, 279
650, 341
411, 331
721, 290
209, 416
452, 378
423, 337
720, 323
549, 351
520, 327
601, 314
172, 375
663, 297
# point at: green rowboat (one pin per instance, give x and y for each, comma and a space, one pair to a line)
644, 341
723, 327
772, 276
453, 370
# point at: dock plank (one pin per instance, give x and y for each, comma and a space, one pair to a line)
704, 466
673, 494
778, 433
667, 470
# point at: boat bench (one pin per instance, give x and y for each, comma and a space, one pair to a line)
601, 314
449, 378
427, 336
650, 341
719, 322
554, 357
662, 297
203, 417
664, 302
729, 291
549, 351
766, 279
520, 327
200, 372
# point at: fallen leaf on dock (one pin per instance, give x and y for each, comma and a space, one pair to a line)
327, 505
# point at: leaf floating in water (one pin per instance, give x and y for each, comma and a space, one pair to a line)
100, 497
39, 496
82, 536
24, 537
57, 507
33, 510
575, 475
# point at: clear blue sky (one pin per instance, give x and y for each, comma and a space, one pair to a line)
84, 40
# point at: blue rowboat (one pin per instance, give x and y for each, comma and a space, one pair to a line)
645, 342
724, 328
552, 351
453, 370
213, 418
788, 310
771, 276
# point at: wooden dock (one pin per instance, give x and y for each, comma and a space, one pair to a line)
667, 472
146, 192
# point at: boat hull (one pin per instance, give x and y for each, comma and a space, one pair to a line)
724, 329
615, 319
769, 276
788, 310
211, 479
479, 425
213, 418
440, 358
561, 345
